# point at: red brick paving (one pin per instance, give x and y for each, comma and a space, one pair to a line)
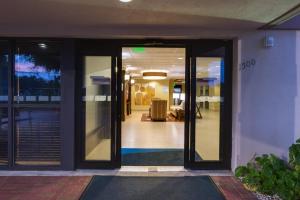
42, 187
71, 187
232, 188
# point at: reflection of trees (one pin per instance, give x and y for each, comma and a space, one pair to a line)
31, 85
50, 62
34, 81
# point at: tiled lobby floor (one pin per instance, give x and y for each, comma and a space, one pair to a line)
71, 187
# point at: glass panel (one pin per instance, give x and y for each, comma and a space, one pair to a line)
97, 107
37, 89
208, 98
4, 62
37, 73
3, 136
37, 136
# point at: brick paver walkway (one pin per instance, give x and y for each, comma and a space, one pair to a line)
71, 187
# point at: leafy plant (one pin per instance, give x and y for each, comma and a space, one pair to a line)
270, 175
294, 155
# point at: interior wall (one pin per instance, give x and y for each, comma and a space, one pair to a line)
266, 101
161, 91
96, 112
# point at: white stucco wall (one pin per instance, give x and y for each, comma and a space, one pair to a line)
266, 102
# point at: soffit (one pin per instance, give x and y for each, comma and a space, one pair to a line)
111, 18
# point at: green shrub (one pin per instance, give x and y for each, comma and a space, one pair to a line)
294, 155
270, 175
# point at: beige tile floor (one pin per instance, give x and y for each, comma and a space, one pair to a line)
101, 151
138, 134
208, 135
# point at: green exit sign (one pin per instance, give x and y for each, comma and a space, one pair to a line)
138, 49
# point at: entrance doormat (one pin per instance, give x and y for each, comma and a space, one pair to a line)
153, 157
152, 188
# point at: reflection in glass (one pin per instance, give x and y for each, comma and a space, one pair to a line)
37, 88
208, 98
37, 136
3, 136
37, 81
4, 62
97, 107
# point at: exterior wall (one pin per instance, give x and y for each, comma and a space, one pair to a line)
266, 103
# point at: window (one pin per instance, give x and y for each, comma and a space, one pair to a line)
37, 103
4, 63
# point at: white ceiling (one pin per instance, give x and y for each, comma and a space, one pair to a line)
139, 18
171, 60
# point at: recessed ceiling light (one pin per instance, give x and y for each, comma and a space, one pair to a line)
42, 45
131, 68
125, 1
125, 55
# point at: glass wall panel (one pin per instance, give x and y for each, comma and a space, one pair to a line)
4, 66
209, 77
37, 103
37, 73
3, 136
97, 107
37, 136
4, 62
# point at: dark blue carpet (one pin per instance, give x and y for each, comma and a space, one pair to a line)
152, 188
153, 157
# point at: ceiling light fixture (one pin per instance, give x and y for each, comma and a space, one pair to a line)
154, 75
125, 1
180, 58
127, 77
131, 68
42, 45
125, 55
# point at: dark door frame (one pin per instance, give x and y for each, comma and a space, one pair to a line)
114, 48
225, 142
96, 48
71, 52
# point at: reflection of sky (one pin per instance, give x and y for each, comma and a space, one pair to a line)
25, 67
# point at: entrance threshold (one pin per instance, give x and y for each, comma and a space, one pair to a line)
152, 169
124, 171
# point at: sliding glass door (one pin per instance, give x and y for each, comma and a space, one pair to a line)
210, 105
97, 107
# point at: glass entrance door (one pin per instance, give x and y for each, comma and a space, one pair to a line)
97, 109
210, 105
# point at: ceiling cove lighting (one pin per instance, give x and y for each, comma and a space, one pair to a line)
154, 75
125, 1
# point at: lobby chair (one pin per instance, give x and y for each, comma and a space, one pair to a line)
158, 110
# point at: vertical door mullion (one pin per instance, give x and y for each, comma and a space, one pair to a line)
113, 107
10, 105
119, 105
192, 108
187, 108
